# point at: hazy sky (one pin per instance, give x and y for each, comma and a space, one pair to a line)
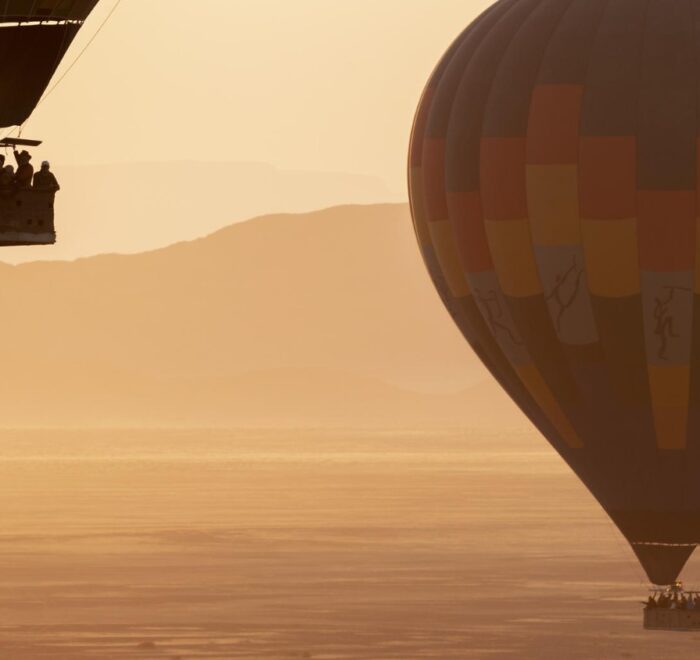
308, 84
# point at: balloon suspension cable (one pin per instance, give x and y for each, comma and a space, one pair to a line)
71, 65
81, 53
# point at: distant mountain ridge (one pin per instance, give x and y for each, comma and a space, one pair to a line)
131, 208
325, 318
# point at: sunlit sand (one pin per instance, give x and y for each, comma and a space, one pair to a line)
309, 545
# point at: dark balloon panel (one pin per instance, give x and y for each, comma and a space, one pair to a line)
34, 10
34, 37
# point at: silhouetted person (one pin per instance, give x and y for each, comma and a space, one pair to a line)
651, 603
25, 171
7, 181
44, 179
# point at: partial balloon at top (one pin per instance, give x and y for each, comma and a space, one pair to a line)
34, 37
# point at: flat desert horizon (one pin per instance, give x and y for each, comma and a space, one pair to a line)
314, 544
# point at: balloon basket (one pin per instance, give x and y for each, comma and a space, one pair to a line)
673, 609
27, 218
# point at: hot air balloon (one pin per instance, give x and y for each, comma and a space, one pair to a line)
34, 37
554, 191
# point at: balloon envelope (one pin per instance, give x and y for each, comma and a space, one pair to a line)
554, 191
34, 37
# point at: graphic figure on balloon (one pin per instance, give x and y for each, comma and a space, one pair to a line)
554, 177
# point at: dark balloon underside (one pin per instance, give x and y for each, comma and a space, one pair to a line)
554, 190
34, 37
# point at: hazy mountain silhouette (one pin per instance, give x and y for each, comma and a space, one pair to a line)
322, 318
130, 208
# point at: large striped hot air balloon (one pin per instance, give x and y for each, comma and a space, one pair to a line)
34, 37
554, 190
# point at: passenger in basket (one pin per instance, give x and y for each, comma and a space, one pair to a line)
25, 171
44, 179
7, 181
